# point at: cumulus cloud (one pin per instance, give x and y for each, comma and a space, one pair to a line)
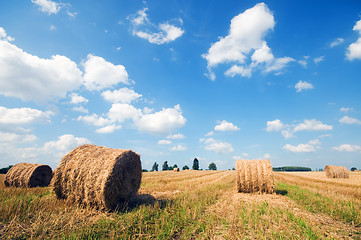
29, 77
275, 125
226, 126
48, 6
178, 148
303, 85
4, 36
119, 112
122, 95
300, 148
156, 34
311, 146
354, 50
336, 42
100, 74
245, 41
164, 142
162, 122
76, 99
349, 120
217, 146
287, 131
347, 148
312, 125
20, 116
95, 120
108, 129
65, 143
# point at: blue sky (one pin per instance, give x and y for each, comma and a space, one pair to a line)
175, 80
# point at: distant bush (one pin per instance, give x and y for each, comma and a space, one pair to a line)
291, 169
5, 170
145, 170
185, 167
352, 169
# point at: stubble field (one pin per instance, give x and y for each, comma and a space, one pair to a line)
194, 205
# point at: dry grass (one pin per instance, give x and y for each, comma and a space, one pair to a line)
183, 205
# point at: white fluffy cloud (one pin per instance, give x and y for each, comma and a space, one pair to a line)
48, 6
65, 143
76, 99
178, 148
226, 126
303, 85
347, 148
29, 77
119, 112
80, 109
354, 50
311, 146
95, 120
312, 125
108, 129
162, 122
19, 116
275, 125
163, 33
349, 120
217, 146
246, 35
164, 142
4, 36
300, 148
122, 95
345, 109
100, 74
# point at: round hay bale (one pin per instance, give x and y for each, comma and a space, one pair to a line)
336, 171
254, 176
28, 175
98, 176
176, 169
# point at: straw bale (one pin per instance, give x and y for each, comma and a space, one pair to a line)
176, 169
254, 176
28, 175
336, 171
97, 176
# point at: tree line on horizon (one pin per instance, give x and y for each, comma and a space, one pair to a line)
166, 167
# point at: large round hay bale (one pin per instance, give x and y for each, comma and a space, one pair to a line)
254, 176
28, 175
98, 176
336, 171
176, 169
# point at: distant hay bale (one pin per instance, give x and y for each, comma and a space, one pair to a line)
28, 175
336, 171
254, 176
97, 176
176, 169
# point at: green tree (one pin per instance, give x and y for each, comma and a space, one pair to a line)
144, 170
155, 167
5, 170
175, 166
165, 166
195, 164
353, 169
185, 167
212, 166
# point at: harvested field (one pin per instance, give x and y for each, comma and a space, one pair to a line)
195, 205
